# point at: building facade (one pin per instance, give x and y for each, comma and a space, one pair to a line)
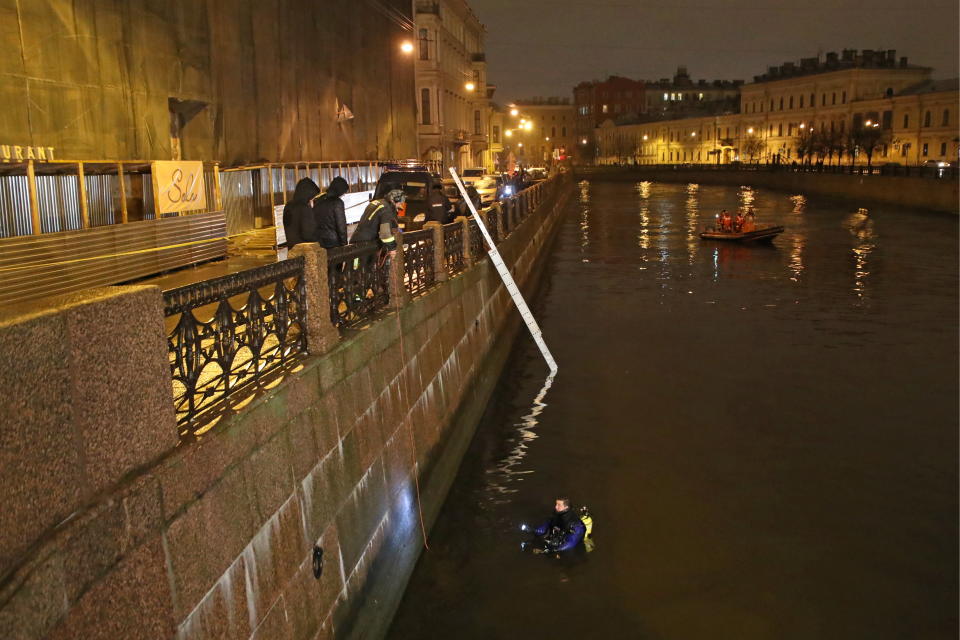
613, 98
683, 97
552, 131
453, 95
834, 98
232, 81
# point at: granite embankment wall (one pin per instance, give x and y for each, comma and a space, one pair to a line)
912, 193
112, 529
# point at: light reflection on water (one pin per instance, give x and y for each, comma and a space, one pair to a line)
507, 471
766, 435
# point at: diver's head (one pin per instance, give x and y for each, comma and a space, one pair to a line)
562, 505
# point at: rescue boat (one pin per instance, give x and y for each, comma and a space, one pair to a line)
767, 234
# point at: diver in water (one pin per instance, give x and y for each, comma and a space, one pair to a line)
562, 531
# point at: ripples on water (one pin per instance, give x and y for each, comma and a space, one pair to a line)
766, 434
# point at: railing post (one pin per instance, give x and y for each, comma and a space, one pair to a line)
34, 203
123, 193
321, 334
82, 194
399, 296
439, 254
468, 258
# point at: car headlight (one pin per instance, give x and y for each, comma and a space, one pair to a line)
420, 217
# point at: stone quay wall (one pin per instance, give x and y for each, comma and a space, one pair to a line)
916, 193
113, 528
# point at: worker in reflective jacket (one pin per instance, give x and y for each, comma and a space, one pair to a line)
379, 221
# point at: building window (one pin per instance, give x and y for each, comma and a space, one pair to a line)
791, 102
604, 109
906, 120
924, 149
926, 120
424, 45
781, 104
887, 120
833, 99
771, 105
425, 106
943, 148
884, 151
553, 132
790, 129
823, 100
496, 134
780, 130
946, 119
904, 149
801, 102
843, 124
843, 97
813, 101
564, 132
665, 97
477, 126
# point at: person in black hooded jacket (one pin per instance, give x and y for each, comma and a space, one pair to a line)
330, 216
299, 224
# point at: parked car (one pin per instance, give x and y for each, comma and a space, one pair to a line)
472, 174
416, 181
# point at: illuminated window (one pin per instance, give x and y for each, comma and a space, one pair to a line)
699, 96
924, 149
604, 108
665, 97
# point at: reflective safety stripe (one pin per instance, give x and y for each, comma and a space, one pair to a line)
374, 212
386, 240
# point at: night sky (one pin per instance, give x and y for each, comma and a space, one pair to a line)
544, 47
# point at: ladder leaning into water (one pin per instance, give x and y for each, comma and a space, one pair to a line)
508, 280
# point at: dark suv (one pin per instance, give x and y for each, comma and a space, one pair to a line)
416, 181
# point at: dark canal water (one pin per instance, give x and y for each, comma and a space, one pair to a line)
767, 436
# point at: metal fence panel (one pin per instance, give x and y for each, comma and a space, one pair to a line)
14, 207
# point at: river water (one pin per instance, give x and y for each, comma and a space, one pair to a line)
766, 436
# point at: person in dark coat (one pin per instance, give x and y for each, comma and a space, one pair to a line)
379, 221
331, 219
298, 221
439, 208
462, 209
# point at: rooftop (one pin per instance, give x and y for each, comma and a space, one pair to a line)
833, 61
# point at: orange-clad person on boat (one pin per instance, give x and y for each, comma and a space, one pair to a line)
738, 222
749, 222
726, 222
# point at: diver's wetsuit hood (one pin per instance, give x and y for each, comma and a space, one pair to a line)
305, 191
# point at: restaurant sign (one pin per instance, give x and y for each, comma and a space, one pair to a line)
178, 186
22, 153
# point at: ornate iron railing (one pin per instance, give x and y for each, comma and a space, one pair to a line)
476, 241
250, 323
493, 215
453, 247
418, 261
358, 276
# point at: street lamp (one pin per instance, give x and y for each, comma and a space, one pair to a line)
514, 112
750, 130
528, 126
508, 132
406, 47
469, 86
584, 141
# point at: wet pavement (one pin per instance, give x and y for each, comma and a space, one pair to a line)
766, 436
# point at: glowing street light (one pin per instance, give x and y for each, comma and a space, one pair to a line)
520, 144
693, 134
469, 86
547, 139
644, 136
803, 125
584, 141
514, 112
406, 47
508, 132
750, 130
528, 126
